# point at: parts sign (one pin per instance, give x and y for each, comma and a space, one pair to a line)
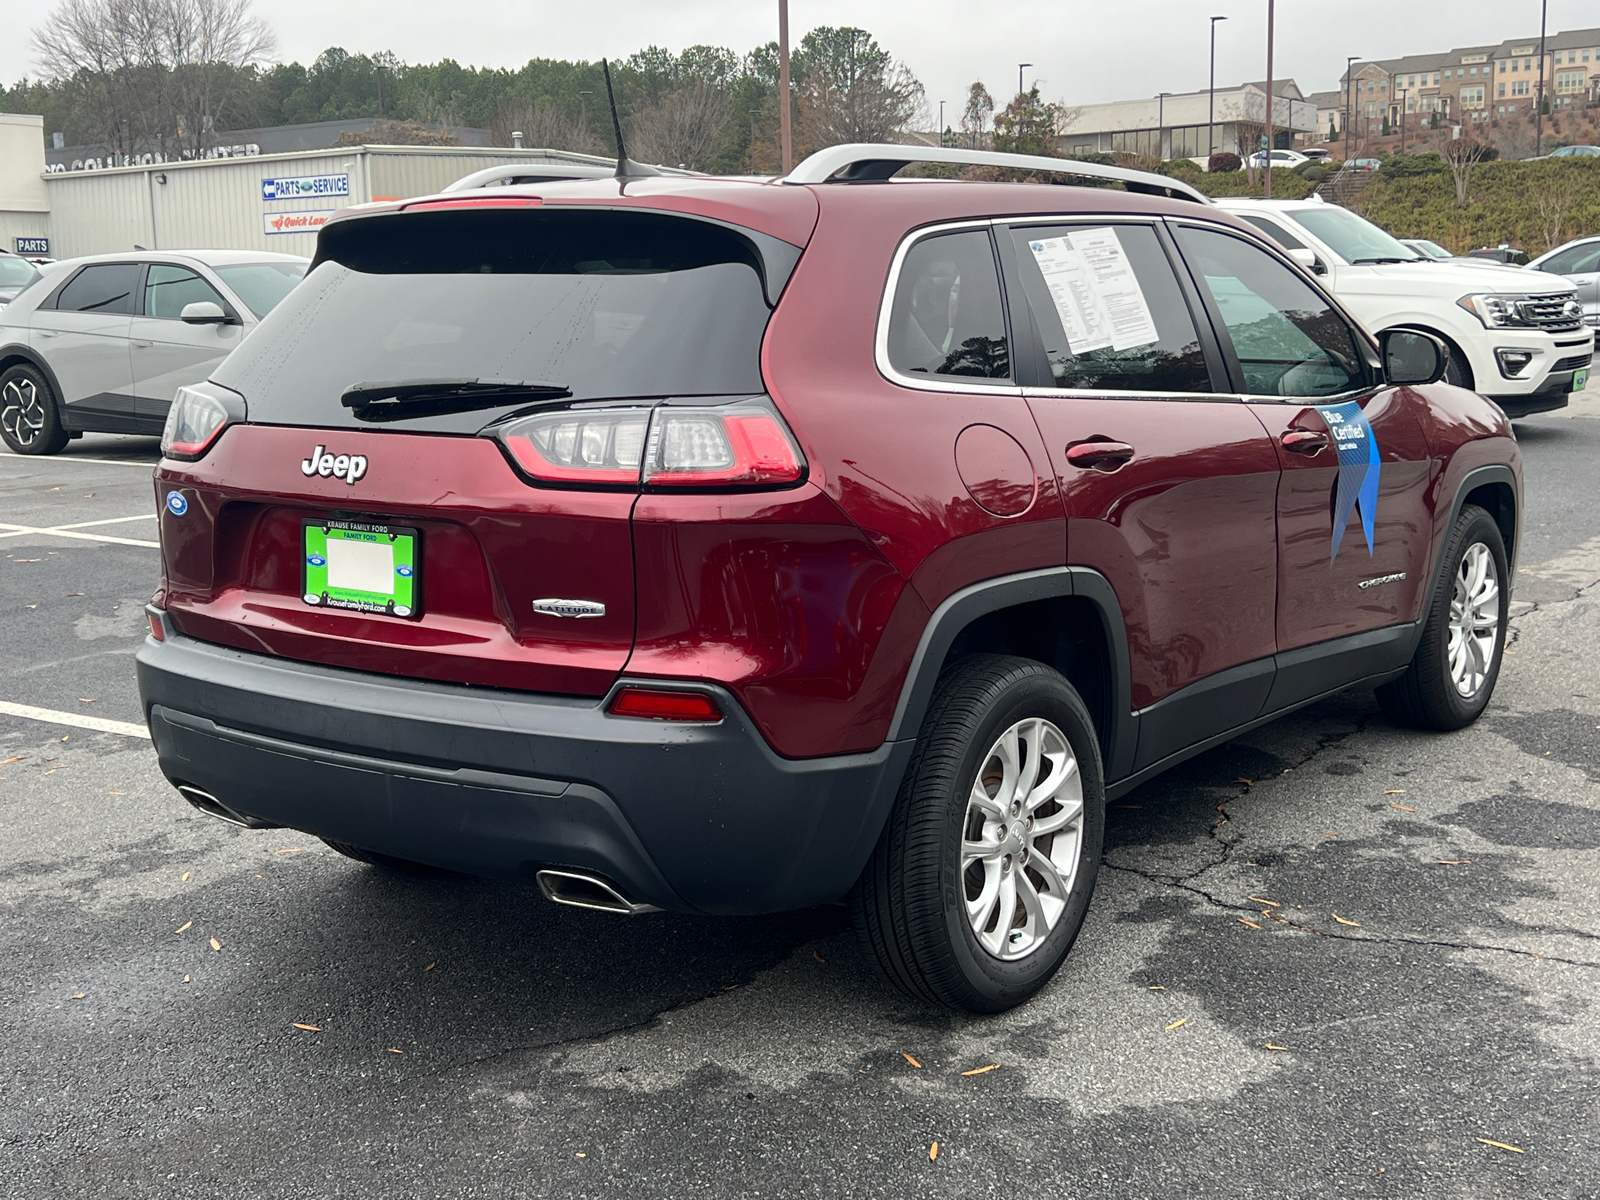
305, 186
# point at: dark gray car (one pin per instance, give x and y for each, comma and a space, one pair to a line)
103, 343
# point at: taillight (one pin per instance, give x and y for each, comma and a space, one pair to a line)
740, 445
664, 705
579, 446
198, 416
732, 446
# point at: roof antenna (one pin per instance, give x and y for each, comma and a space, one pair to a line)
626, 167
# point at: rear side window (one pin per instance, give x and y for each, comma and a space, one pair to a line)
1289, 341
1108, 309
947, 318
167, 289
603, 304
1275, 231
107, 288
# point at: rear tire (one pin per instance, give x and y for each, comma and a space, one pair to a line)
1457, 663
400, 866
982, 876
30, 421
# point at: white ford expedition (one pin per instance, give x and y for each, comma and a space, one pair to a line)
1514, 337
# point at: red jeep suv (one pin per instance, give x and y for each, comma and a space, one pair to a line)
729, 546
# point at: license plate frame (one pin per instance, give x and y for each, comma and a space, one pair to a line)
403, 602
1580, 379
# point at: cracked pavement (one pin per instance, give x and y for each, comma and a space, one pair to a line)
1332, 958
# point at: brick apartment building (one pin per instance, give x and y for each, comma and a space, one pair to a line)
1467, 85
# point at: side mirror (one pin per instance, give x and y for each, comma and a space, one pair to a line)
1411, 356
203, 312
1308, 259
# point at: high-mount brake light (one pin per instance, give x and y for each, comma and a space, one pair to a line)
196, 419
661, 704
668, 446
475, 202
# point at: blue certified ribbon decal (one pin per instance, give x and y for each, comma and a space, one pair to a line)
1359, 468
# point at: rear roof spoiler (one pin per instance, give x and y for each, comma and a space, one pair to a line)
865, 162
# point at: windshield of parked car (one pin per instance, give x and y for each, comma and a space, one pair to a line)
16, 273
262, 285
1352, 238
1431, 249
606, 304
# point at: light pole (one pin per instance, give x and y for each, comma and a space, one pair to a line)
1538, 106
1266, 187
784, 99
1349, 103
1404, 92
941, 122
1211, 97
1161, 122
1019, 76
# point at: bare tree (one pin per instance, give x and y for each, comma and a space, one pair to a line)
544, 125
682, 130
977, 115
153, 74
1461, 155
1553, 198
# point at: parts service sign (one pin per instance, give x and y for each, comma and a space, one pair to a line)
305, 187
295, 222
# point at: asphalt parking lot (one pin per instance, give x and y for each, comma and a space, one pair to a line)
1333, 958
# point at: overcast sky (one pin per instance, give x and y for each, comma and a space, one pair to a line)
1083, 51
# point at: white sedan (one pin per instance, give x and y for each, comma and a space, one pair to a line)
1286, 160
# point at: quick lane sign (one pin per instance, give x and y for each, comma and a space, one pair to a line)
305, 186
295, 222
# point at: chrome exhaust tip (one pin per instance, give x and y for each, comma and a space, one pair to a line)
588, 891
212, 807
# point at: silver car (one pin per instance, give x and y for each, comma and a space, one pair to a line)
102, 343
1579, 263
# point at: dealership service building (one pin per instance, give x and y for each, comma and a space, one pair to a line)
245, 202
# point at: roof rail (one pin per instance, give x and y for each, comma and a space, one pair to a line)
530, 171
868, 162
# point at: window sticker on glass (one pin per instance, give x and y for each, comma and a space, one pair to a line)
1095, 290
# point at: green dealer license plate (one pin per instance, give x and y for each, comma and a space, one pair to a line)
1580, 380
363, 567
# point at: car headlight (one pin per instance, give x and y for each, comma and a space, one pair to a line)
1504, 310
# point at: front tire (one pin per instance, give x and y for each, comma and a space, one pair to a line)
1457, 663
30, 422
982, 877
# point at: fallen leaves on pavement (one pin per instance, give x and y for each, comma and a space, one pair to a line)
983, 1070
1454, 862
1264, 900
1402, 807
216, 945
182, 927
1270, 1046
1395, 792
1252, 924
307, 1028
911, 1060
1175, 1024
1343, 921
933, 1152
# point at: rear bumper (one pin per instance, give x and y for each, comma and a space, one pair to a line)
689, 817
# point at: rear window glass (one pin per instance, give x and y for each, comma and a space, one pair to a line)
947, 317
604, 304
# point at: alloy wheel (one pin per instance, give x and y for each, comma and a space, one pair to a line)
1474, 620
1022, 839
21, 411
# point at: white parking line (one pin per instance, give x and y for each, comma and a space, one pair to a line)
149, 516
67, 531
104, 462
76, 720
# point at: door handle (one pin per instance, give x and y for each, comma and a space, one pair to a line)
1099, 456
48, 332
1304, 441
143, 345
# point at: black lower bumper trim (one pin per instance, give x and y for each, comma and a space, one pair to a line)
685, 817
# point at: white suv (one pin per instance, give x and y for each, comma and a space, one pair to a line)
1515, 337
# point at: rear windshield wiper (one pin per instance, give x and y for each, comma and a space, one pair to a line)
401, 400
